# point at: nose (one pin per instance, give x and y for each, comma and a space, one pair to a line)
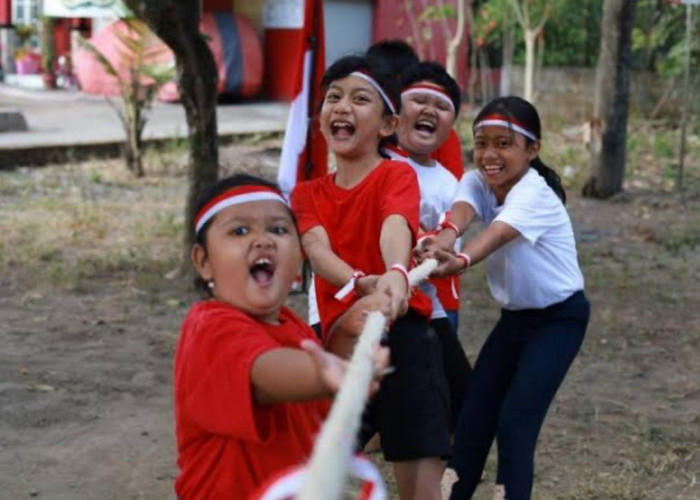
263, 240
342, 105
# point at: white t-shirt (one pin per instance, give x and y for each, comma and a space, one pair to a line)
437, 189
540, 267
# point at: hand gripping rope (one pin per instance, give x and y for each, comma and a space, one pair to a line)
324, 477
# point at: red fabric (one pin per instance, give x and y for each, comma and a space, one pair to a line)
227, 444
353, 219
446, 288
319, 149
450, 155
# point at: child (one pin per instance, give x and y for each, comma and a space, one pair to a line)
533, 273
248, 400
399, 56
358, 227
430, 100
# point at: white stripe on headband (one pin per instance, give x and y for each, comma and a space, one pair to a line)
237, 200
434, 92
507, 124
377, 87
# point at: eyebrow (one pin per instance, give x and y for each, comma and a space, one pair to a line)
353, 89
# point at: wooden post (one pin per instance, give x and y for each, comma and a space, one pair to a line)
686, 106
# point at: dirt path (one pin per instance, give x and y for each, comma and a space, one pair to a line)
86, 358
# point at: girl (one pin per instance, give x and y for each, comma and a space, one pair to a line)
358, 227
248, 400
533, 273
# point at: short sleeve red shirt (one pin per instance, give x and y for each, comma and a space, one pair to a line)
353, 219
227, 444
450, 155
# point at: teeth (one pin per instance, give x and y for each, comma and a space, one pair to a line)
263, 261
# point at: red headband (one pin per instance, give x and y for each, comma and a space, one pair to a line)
235, 196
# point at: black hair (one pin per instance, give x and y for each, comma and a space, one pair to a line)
373, 67
377, 69
211, 192
434, 73
526, 114
396, 54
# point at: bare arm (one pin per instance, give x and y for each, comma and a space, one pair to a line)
324, 261
395, 243
461, 215
478, 248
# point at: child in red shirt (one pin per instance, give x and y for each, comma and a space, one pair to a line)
358, 227
248, 400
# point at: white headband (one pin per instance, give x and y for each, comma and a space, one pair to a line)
377, 87
500, 121
235, 196
422, 89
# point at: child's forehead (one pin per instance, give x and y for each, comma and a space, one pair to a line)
352, 83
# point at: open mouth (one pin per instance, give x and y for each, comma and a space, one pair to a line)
262, 270
341, 129
492, 170
426, 126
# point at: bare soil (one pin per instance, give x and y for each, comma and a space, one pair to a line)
90, 314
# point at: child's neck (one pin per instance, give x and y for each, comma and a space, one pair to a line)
422, 160
351, 171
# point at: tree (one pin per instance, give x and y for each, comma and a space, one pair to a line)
532, 16
609, 121
176, 22
138, 84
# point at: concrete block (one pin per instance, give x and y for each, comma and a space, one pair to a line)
12, 120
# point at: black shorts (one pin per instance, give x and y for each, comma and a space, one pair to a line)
411, 411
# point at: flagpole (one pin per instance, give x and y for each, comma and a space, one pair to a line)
313, 47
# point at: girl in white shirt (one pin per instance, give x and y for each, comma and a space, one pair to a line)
533, 273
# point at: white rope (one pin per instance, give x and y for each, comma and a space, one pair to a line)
335, 446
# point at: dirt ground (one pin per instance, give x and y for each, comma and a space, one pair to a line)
90, 313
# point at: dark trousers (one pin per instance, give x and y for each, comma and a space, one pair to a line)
518, 372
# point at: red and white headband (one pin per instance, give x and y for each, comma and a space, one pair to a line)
377, 87
434, 90
504, 121
235, 196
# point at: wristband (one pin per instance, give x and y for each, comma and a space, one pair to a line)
402, 269
446, 224
467, 260
348, 291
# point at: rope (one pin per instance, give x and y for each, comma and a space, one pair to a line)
335, 446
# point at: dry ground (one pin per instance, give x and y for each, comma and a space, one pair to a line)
89, 321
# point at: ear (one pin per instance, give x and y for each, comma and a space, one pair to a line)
200, 259
389, 125
533, 150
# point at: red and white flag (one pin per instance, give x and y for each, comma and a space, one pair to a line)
296, 164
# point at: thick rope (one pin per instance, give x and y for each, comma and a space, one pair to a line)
335, 446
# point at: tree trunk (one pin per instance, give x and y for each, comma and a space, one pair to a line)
609, 122
176, 22
530, 36
508, 50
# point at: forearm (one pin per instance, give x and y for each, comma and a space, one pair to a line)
395, 241
461, 216
324, 261
489, 240
286, 374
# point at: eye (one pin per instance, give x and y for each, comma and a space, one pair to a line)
332, 97
279, 229
239, 230
361, 98
479, 144
504, 143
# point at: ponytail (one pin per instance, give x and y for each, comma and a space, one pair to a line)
550, 177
